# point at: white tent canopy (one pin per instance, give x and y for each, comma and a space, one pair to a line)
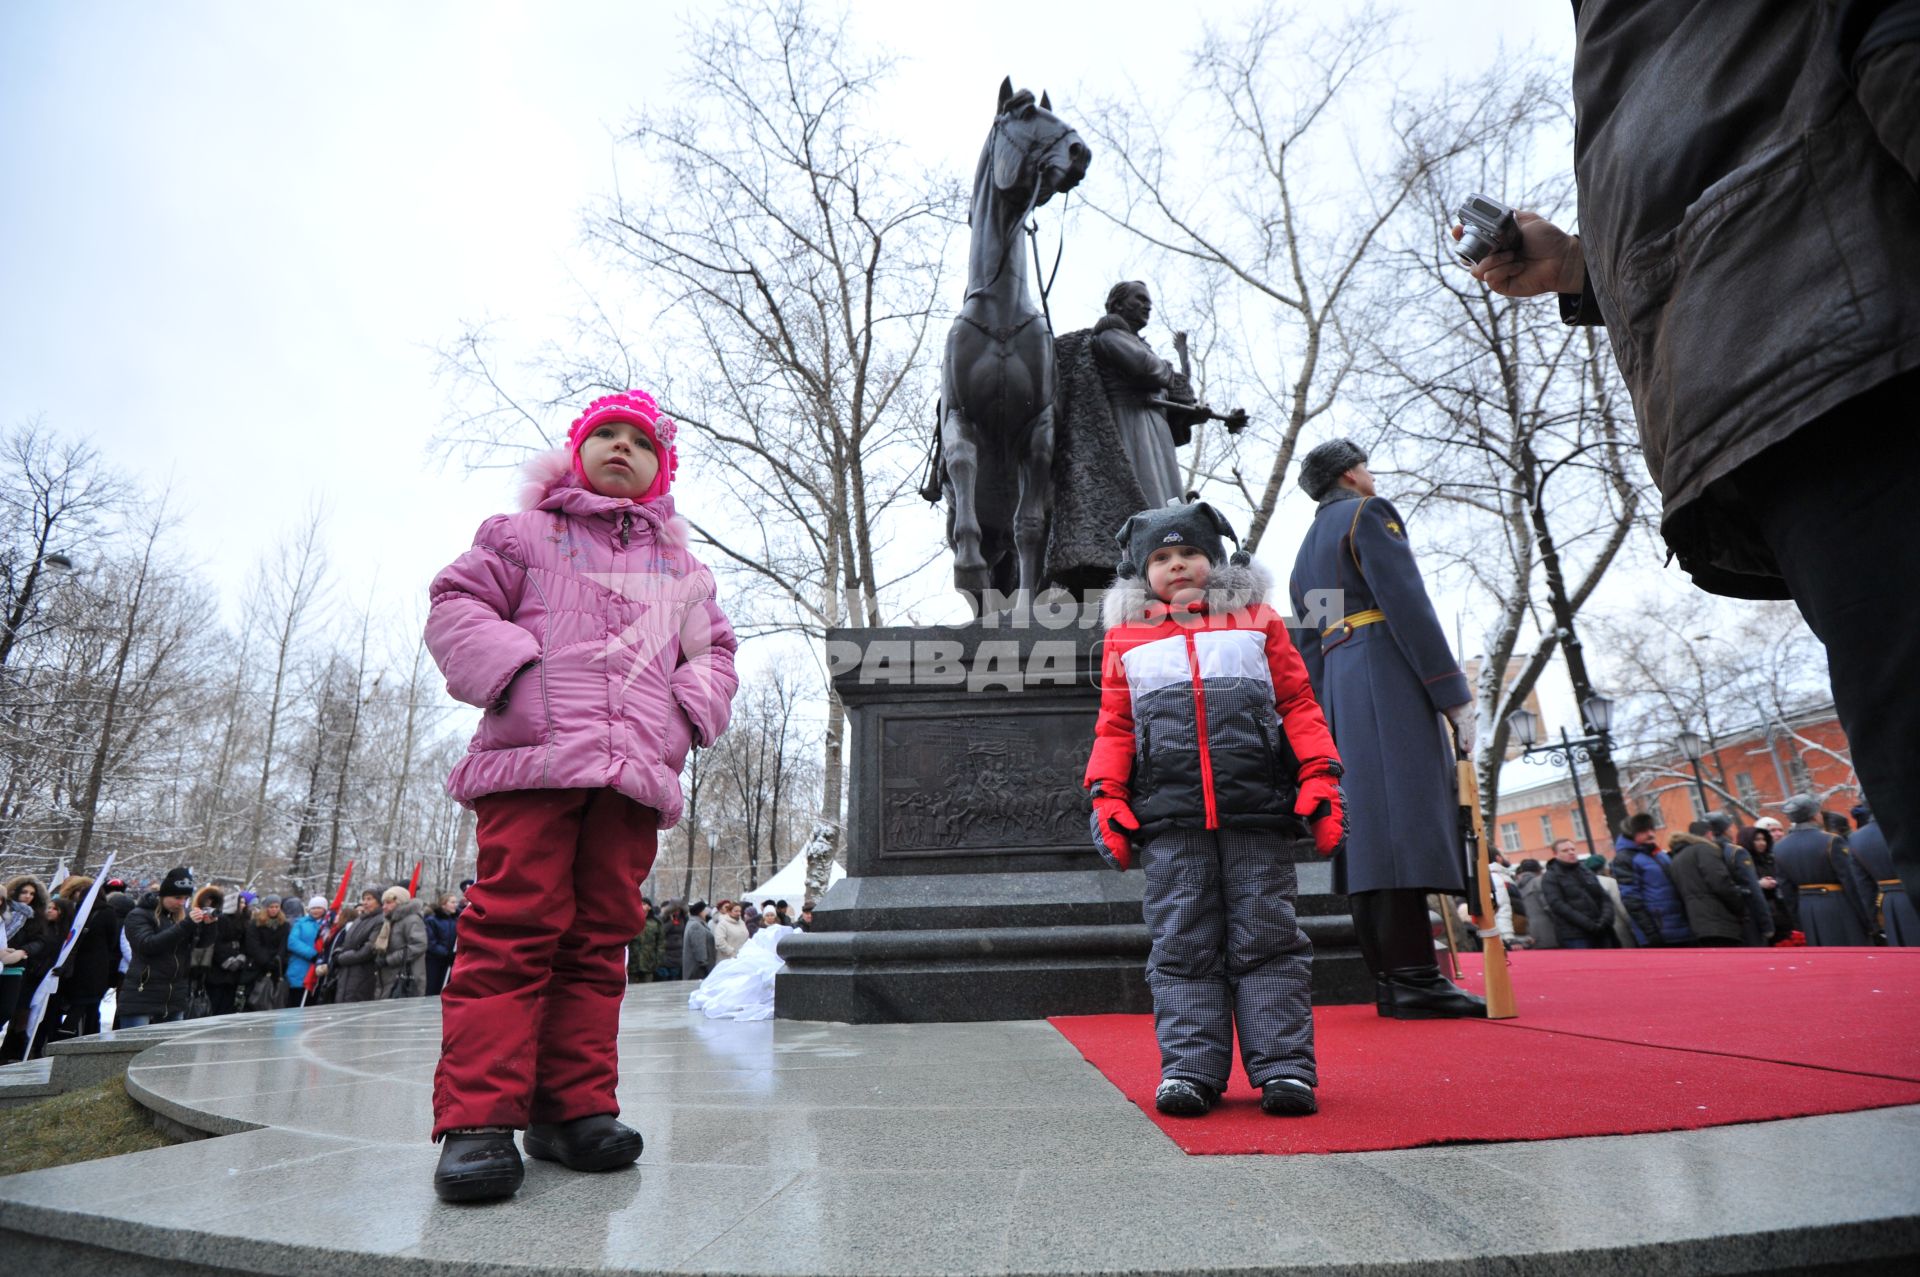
790, 884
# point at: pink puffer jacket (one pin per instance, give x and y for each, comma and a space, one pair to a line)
627, 659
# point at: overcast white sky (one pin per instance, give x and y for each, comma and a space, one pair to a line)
232, 233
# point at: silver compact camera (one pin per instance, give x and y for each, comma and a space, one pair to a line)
1486, 225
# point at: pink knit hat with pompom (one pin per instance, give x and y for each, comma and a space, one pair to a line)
638, 408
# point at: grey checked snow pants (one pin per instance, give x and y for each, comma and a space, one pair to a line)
1227, 952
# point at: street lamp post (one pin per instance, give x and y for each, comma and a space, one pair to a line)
1690, 747
55, 562
1570, 752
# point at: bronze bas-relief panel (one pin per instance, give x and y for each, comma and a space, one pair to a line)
1000, 783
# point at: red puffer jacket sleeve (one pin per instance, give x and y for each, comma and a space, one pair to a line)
704, 682
1300, 715
1111, 764
470, 629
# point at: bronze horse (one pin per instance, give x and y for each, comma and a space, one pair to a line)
997, 382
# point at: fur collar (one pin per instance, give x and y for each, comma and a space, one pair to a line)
1107, 323
548, 483
1231, 588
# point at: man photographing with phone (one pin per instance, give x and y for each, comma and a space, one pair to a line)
1749, 186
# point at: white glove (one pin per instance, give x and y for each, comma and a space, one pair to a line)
1465, 726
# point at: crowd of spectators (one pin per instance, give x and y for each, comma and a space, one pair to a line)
1822, 880
170, 950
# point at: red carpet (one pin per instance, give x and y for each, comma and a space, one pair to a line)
1606, 1043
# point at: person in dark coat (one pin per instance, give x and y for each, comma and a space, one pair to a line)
355, 958
1757, 841
267, 933
443, 930
162, 930
32, 950
1645, 875
1715, 903
673, 939
1529, 882
1827, 893
1898, 920
1385, 679
1581, 909
1756, 927
697, 953
92, 968
229, 974
1763, 160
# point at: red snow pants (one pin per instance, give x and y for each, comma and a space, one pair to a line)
531, 1012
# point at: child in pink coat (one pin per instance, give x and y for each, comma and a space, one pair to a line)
589, 638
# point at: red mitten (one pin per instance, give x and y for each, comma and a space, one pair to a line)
1321, 804
1117, 821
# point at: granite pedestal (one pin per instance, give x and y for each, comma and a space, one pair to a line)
973, 891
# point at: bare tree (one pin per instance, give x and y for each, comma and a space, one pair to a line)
289, 585
1510, 432
53, 494
1721, 670
1247, 178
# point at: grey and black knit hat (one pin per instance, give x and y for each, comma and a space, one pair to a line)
1322, 468
1178, 522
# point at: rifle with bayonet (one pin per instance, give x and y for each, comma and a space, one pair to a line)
1192, 414
1480, 896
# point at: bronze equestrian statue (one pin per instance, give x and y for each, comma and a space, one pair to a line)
995, 460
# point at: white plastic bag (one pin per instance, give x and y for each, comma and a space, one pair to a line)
741, 987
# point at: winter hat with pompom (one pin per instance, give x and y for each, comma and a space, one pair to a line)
638, 408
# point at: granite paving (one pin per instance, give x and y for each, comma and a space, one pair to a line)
992, 1147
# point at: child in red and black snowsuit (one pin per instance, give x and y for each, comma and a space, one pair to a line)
1210, 758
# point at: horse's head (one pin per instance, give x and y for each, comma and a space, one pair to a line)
1032, 151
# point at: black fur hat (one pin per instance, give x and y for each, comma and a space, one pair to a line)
1178, 522
1322, 468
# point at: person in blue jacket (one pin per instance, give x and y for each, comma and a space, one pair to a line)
303, 948
1645, 875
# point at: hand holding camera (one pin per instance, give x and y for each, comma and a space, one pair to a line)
1517, 254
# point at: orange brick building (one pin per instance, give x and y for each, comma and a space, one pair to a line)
1747, 772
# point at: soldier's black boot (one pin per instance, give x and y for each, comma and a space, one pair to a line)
1411, 987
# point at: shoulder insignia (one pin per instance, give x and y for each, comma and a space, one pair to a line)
1395, 530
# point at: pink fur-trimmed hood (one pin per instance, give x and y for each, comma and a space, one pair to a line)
548, 482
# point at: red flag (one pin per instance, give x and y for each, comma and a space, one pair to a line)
413, 888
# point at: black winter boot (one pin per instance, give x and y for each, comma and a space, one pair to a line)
1411, 986
598, 1143
478, 1165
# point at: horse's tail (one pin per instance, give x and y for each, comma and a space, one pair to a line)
933, 481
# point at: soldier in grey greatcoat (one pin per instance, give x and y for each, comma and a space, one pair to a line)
1828, 894
1386, 680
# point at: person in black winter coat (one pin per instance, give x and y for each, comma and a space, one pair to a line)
93, 967
1716, 905
442, 932
1581, 909
672, 941
161, 931
32, 946
1758, 842
267, 933
228, 974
